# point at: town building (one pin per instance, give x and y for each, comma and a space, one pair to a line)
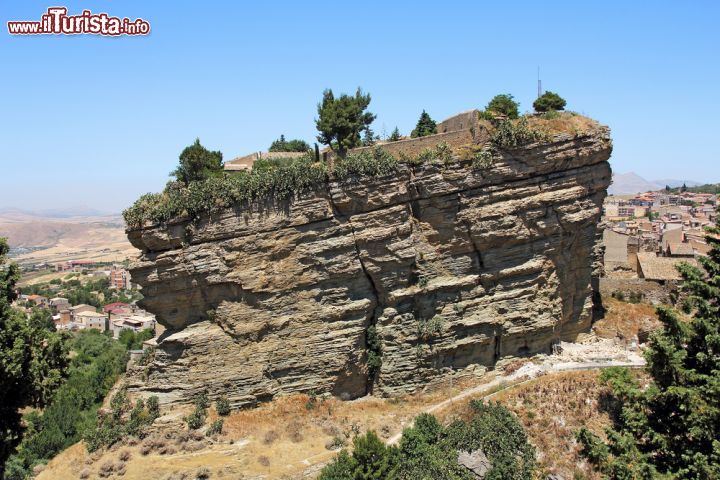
95, 320
135, 322
120, 279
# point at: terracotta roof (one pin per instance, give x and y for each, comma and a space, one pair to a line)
113, 306
680, 249
700, 248
653, 267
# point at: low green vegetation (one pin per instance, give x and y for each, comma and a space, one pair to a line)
375, 163
72, 413
713, 188
197, 418
270, 180
670, 428
134, 340
510, 134
374, 351
548, 102
124, 420
429, 451
222, 406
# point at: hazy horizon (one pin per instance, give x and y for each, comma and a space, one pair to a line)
96, 121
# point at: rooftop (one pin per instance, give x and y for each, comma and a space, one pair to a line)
653, 267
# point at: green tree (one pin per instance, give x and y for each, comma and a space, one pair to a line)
395, 135
684, 188
33, 361
671, 428
341, 120
369, 138
549, 101
425, 126
282, 145
198, 163
667, 188
429, 451
41, 318
505, 105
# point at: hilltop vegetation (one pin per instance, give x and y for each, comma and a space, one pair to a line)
201, 185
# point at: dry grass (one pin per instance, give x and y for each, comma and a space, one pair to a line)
626, 320
280, 439
563, 122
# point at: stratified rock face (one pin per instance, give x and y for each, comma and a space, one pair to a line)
454, 267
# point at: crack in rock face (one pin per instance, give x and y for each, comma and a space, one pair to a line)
455, 269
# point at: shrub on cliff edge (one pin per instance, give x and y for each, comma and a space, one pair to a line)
549, 101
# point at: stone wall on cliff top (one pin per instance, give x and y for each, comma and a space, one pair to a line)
454, 267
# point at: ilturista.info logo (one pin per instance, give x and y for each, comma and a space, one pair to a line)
57, 22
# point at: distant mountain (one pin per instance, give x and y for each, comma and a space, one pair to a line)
677, 183
631, 183
69, 212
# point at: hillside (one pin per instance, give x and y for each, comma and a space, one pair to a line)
52, 239
631, 183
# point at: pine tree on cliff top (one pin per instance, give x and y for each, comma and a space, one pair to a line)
425, 126
671, 428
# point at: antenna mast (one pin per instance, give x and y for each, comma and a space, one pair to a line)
539, 84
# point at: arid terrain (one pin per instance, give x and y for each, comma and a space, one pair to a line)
37, 239
293, 437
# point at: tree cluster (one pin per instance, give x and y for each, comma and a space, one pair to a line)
33, 360
71, 413
429, 451
282, 145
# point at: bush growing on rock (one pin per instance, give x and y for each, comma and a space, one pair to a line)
504, 105
549, 101
222, 406
215, 428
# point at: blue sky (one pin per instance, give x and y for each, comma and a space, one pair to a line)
96, 121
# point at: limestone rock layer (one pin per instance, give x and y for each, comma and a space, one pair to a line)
452, 267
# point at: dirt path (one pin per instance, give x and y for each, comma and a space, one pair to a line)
526, 373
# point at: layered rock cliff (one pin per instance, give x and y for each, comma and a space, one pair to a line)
451, 267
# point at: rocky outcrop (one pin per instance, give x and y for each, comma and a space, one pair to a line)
453, 268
